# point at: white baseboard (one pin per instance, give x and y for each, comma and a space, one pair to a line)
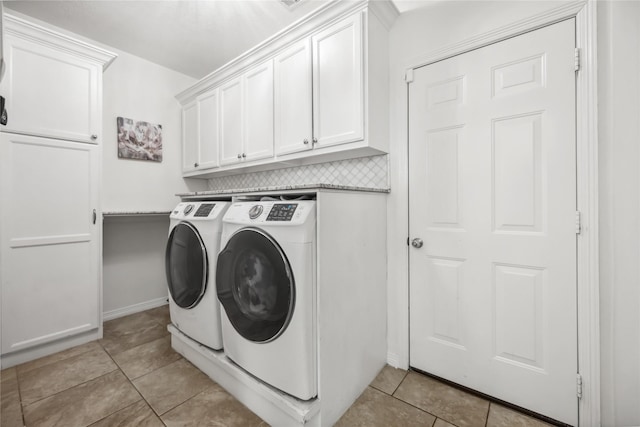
395, 361
135, 308
29, 354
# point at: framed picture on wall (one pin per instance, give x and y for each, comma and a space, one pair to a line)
139, 140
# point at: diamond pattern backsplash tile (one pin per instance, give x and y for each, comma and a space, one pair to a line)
370, 172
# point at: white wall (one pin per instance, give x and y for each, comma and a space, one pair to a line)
141, 90
619, 152
417, 34
133, 247
133, 264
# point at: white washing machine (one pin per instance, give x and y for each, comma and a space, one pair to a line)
190, 262
265, 281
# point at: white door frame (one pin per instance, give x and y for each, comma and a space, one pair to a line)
587, 184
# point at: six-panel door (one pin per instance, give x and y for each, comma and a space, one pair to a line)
493, 197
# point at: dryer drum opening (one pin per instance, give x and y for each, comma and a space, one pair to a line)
255, 285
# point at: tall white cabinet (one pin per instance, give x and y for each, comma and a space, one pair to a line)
50, 157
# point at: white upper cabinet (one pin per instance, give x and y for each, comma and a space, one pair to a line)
200, 132
209, 131
51, 89
231, 128
338, 83
246, 110
190, 137
315, 92
292, 80
258, 108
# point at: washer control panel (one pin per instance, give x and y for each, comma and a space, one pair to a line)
282, 212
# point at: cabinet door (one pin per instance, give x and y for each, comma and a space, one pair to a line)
338, 83
50, 92
292, 99
208, 127
50, 248
258, 109
190, 136
231, 122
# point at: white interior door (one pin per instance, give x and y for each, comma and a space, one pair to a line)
493, 199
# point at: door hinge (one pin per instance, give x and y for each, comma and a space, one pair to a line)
578, 223
577, 59
579, 386
408, 76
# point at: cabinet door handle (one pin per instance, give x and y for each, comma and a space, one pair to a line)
94, 137
195, 165
306, 141
244, 156
95, 216
315, 140
239, 156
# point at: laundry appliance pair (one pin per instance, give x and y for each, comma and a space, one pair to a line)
241, 279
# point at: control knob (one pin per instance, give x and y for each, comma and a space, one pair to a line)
188, 209
255, 211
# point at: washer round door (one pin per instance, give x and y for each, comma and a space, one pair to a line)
255, 285
186, 265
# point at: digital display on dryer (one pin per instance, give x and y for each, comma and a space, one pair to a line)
204, 210
282, 212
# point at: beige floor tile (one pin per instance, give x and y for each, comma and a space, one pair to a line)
212, 407
131, 331
8, 380
160, 314
442, 423
168, 387
55, 377
10, 409
377, 409
66, 354
388, 379
146, 358
499, 416
83, 404
450, 404
139, 415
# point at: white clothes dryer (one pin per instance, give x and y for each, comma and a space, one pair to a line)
190, 263
266, 282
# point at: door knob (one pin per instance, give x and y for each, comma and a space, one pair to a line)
417, 243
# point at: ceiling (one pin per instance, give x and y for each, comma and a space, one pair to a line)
191, 37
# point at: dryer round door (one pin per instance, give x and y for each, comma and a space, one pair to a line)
255, 285
186, 265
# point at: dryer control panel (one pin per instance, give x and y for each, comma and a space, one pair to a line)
271, 212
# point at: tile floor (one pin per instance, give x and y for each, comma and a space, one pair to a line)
132, 377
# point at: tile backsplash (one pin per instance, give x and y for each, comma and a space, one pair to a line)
371, 172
